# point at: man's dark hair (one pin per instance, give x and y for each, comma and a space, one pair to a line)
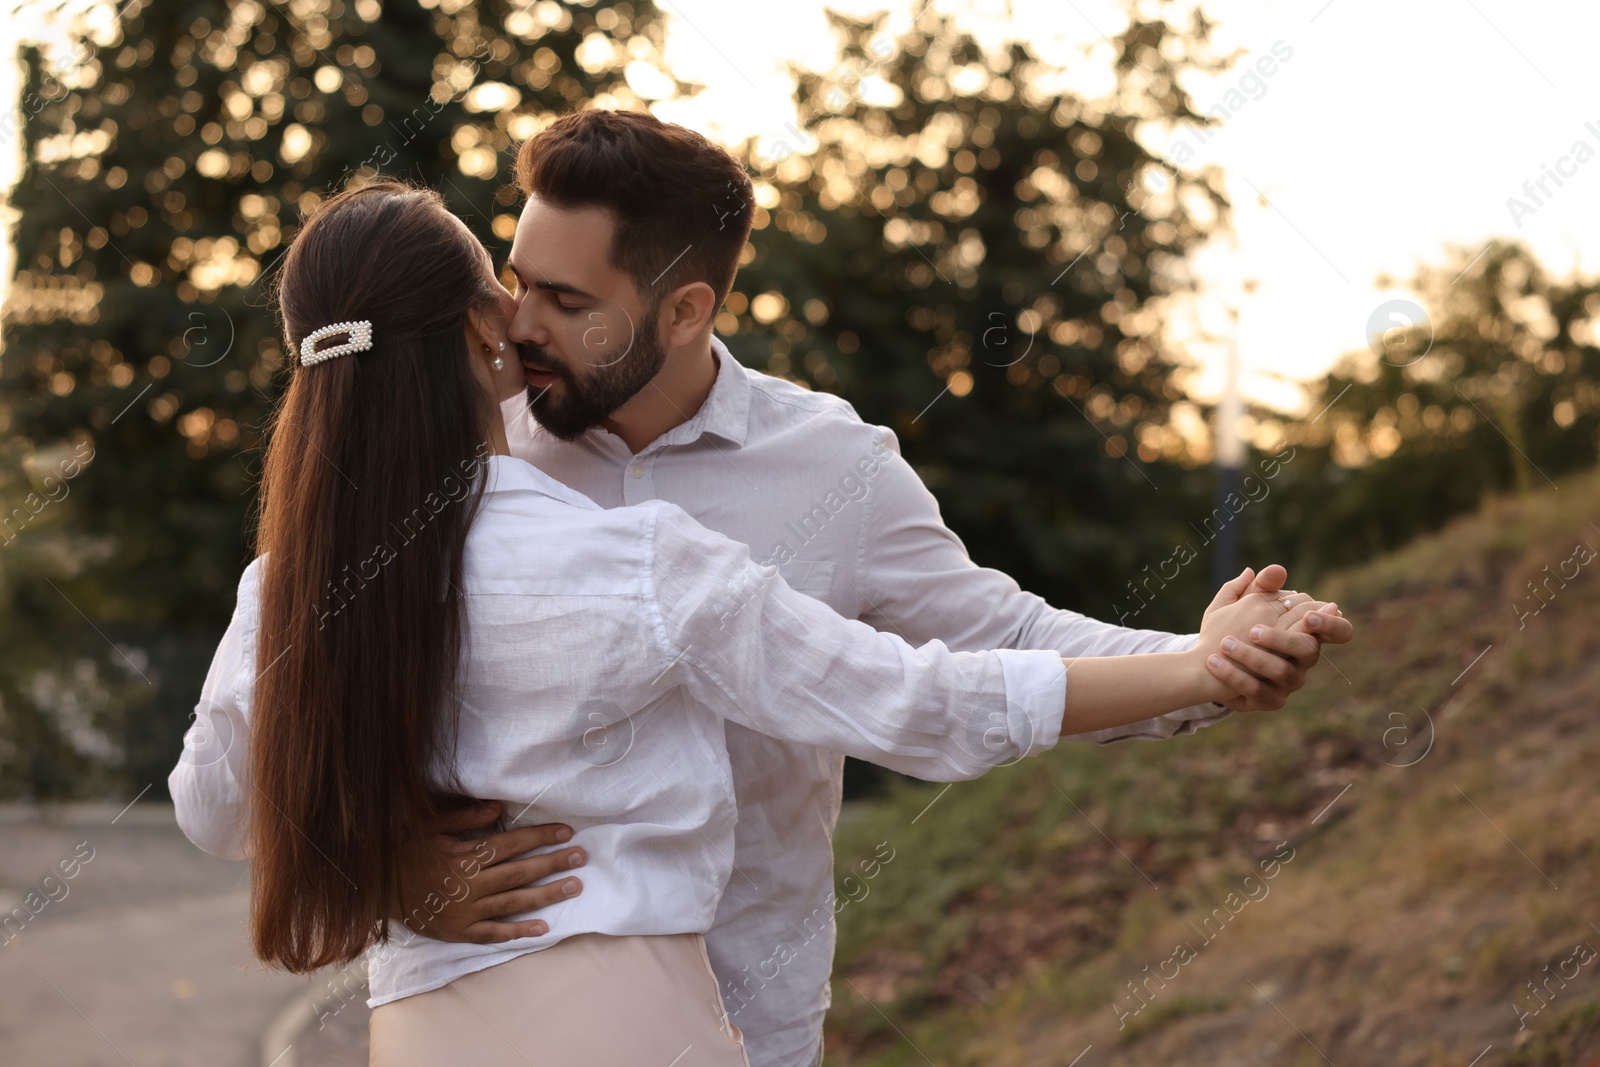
683, 206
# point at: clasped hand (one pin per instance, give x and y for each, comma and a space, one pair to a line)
1258, 640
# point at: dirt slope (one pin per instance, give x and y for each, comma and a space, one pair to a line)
1428, 807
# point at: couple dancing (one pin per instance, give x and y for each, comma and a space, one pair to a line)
508, 597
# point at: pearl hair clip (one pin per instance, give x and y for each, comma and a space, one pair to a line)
360, 341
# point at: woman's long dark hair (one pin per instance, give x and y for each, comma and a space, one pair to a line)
367, 495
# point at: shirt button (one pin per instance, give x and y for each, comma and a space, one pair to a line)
636, 470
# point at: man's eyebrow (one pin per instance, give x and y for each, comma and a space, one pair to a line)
562, 287
546, 284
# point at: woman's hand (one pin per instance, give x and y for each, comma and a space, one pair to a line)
1265, 665
1239, 607
1107, 691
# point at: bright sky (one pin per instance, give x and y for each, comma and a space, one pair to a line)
1392, 132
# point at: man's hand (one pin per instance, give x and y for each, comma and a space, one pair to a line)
1267, 665
455, 889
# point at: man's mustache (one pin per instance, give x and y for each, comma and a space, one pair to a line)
536, 358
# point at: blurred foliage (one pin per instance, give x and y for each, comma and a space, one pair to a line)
1500, 390
990, 241
972, 256
958, 243
162, 177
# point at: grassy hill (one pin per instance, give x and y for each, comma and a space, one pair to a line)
1402, 868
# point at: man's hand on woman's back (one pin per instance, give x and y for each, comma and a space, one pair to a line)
456, 887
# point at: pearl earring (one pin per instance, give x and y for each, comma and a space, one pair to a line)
499, 364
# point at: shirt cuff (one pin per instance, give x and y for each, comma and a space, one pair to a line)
1036, 699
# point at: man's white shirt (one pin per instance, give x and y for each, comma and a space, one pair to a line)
797, 476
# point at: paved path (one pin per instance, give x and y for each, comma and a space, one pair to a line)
143, 961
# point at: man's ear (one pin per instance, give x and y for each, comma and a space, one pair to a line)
686, 312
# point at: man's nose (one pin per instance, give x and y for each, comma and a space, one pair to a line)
526, 327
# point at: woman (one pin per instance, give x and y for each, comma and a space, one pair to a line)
429, 619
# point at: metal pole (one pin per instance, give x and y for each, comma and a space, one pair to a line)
1229, 460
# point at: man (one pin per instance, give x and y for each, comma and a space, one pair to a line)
624, 252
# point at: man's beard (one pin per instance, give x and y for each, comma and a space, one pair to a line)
584, 403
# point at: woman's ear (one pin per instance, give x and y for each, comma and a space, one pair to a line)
494, 358
484, 332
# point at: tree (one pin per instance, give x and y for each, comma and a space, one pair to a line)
1495, 388
162, 179
974, 256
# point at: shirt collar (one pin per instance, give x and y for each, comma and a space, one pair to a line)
507, 474
726, 411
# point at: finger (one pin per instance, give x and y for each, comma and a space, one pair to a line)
518, 873
1301, 649
1330, 629
1296, 612
493, 931
1236, 678
1233, 590
1263, 609
1278, 670
498, 848
1299, 618
1270, 580
1291, 606
528, 898
474, 817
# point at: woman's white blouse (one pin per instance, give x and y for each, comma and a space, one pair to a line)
604, 649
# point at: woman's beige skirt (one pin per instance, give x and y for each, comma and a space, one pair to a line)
588, 1001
